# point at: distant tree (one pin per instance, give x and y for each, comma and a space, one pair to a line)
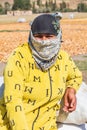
18, 4
39, 3
22, 5
46, 4
50, 3
82, 7
54, 7
33, 7
62, 6
7, 7
26, 4
1, 9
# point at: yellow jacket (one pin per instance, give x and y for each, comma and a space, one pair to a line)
32, 96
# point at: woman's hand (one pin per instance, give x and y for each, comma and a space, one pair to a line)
69, 100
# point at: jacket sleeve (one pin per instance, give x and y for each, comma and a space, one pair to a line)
13, 94
74, 78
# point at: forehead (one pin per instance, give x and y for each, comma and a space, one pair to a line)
44, 34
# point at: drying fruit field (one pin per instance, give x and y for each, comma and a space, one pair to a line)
74, 37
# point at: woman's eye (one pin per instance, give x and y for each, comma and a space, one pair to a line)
49, 36
46, 36
38, 36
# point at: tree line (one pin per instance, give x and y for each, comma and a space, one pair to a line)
39, 7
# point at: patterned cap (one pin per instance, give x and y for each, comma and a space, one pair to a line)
45, 24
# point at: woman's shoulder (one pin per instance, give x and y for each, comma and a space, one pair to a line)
22, 47
63, 53
21, 52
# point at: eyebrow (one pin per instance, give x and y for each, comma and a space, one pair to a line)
44, 35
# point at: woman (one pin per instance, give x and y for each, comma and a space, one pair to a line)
37, 76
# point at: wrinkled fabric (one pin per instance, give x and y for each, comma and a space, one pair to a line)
45, 51
32, 96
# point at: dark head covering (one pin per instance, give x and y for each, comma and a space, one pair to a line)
45, 24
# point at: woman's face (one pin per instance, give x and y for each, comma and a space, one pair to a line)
43, 36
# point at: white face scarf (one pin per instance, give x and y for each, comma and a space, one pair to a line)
45, 51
